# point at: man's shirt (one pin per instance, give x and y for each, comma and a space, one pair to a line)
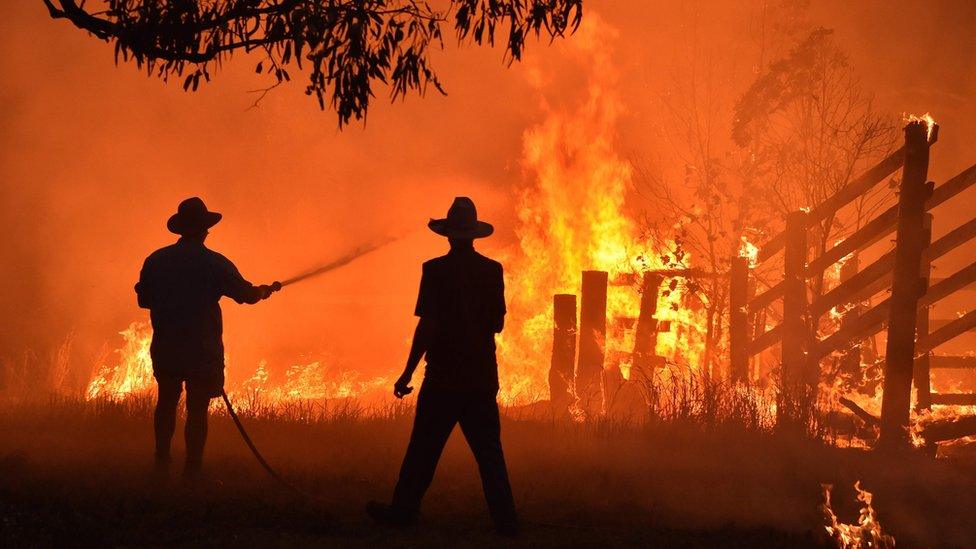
462, 295
181, 286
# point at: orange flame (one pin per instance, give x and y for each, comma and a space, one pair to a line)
312, 381
867, 532
749, 251
925, 119
133, 373
572, 218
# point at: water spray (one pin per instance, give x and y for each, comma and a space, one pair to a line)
333, 265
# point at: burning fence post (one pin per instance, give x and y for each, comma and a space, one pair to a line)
592, 339
739, 319
921, 372
563, 352
798, 377
645, 339
906, 289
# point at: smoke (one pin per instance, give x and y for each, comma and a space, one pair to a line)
95, 158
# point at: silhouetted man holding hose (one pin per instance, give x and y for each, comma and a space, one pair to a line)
461, 307
181, 285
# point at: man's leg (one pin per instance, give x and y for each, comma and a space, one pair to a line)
197, 404
433, 423
164, 418
482, 429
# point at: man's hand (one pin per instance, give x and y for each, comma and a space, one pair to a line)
402, 386
265, 290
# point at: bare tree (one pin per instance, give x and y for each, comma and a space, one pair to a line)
697, 215
810, 129
349, 45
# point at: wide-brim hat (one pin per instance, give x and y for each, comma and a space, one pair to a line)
461, 221
192, 217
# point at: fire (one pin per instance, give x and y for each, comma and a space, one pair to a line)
315, 380
867, 532
749, 251
572, 217
133, 373
925, 118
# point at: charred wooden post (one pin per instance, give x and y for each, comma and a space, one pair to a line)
796, 375
906, 289
922, 368
645, 338
739, 319
592, 340
563, 352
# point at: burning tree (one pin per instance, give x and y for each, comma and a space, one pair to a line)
348, 45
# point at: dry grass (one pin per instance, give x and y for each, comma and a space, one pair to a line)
707, 470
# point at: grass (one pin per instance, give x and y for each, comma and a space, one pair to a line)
707, 470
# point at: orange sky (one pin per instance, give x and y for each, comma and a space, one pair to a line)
95, 157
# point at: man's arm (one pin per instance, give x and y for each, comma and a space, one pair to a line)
421, 335
233, 285
419, 346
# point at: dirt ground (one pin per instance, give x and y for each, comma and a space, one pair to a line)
74, 474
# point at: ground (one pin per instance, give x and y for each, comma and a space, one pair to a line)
75, 473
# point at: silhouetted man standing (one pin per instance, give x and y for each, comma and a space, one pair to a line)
181, 286
461, 307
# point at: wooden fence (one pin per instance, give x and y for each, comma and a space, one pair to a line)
905, 270
578, 372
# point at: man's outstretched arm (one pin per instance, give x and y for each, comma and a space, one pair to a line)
234, 286
421, 342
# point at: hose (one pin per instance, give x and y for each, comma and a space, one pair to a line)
257, 454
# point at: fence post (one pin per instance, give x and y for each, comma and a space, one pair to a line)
906, 288
739, 319
795, 374
645, 338
592, 340
921, 368
563, 352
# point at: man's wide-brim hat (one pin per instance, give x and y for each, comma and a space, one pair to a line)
461, 221
192, 217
